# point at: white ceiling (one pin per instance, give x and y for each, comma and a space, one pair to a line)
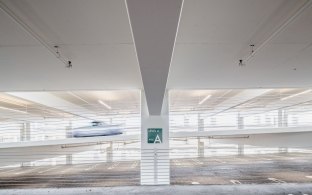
213, 35
94, 35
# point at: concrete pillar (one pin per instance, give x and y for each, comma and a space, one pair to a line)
240, 149
240, 122
280, 118
25, 132
200, 143
285, 118
155, 163
201, 148
186, 121
282, 122
25, 136
109, 152
22, 132
69, 159
68, 133
240, 125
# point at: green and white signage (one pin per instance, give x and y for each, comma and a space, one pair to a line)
154, 135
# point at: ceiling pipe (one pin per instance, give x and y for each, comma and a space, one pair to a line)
280, 29
32, 33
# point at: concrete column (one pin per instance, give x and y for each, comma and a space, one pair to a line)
186, 121
282, 122
200, 143
201, 148
25, 136
22, 132
69, 159
285, 119
240, 122
68, 132
109, 152
25, 132
280, 118
240, 149
155, 163
240, 125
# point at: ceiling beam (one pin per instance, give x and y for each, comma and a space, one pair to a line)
238, 99
154, 26
50, 100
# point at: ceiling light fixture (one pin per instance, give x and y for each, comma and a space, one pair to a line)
294, 95
11, 102
20, 111
205, 99
104, 104
78, 97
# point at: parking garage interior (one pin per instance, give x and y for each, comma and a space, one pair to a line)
155, 96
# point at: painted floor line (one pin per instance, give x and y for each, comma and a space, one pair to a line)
26, 171
44, 171
276, 180
235, 181
9, 171
135, 164
197, 161
114, 165
91, 167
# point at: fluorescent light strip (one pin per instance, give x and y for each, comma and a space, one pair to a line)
76, 96
294, 95
5, 108
11, 102
104, 104
205, 99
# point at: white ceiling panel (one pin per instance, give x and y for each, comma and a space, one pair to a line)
95, 35
214, 35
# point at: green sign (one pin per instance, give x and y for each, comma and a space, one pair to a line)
154, 135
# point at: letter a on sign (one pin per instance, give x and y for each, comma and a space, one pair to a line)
157, 139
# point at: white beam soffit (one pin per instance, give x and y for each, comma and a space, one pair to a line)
154, 27
47, 99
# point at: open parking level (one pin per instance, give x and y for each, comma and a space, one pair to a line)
231, 170
81, 175
248, 169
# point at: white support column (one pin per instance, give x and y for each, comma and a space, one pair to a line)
282, 122
280, 118
240, 125
200, 143
25, 132
109, 152
25, 136
155, 163
69, 157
